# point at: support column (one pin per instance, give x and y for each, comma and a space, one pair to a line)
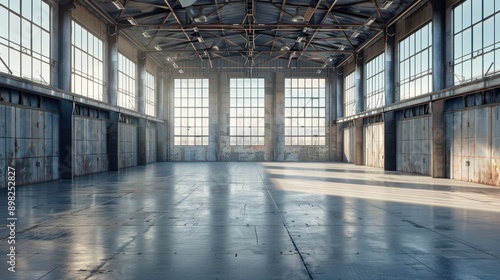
340, 93
160, 113
332, 90
141, 85
66, 139
438, 141
112, 73
358, 76
141, 142
358, 141
390, 92
438, 154
279, 116
64, 45
113, 141
214, 138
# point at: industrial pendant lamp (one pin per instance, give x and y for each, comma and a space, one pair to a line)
298, 17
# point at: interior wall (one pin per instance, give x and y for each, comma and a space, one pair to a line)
151, 143
413, 142
127, 145
473, 145
29, 142
373, 142
90, 153
348, 155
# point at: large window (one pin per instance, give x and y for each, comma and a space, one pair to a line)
305, 112
25, 39
415, 63
375, 83
150, 94
191, 112
349, 92
476, 30
247, 112
126, 82
87, 63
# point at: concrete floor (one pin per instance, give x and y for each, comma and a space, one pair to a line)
255, 221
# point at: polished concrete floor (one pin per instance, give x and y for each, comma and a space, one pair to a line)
254, 221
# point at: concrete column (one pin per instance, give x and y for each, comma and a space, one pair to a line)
359, 80
113, 141
438, 44
141, 85
269, 135
390, 141
390, 65
438, 141
358, 141
141, 142
340, 93
438, 156
66, 139
279, 116
160, 109
332, 104
64, 45
214, 138
112, 73
54, 50
390, 94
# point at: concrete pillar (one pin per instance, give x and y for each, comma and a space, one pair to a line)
340, 93
359, 80
141, 85
64, 45
438, 141
113, 141
54, 50
438, 44
279, 116
214, 138
269, 104
390, 141
390, 94
160, 113
141, 142
358, 141
332, 104
438, 156
390, 65
112, 73
66, 139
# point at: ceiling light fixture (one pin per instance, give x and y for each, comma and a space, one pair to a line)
158, 48
132, 21
298, 17
342, 47
285, 48
370, 21
175, 65
181, 71
355, 34
386, 4
215, 48
118, 4
145, 34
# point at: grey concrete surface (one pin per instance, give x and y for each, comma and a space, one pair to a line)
254, 221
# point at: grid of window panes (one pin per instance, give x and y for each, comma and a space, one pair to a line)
25, 39
476, 39
415, 63
375, 83
150, 94
191, 114
87, 67
247, 111
126, 82
349, 92
305, 112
